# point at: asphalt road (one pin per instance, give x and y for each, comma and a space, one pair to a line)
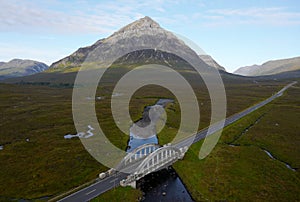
110, 182
96, 189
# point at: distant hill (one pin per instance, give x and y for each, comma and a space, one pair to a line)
19, 68
211, 62
281, 76
270, 67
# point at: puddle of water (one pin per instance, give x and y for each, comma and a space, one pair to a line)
81, 134
1, 147
117, 94
269, 154
289, 167
89, 132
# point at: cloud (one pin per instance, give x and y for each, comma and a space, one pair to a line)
81, 16
160, 9
52, 20
275, 16
22, 16
86, 16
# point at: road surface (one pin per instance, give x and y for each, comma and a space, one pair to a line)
110, 182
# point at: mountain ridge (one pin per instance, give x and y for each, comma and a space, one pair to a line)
270, 67
21, 67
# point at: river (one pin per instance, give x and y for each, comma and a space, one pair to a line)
164, 185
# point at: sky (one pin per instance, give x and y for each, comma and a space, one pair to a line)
234, 32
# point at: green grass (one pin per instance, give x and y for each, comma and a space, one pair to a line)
49, 165
120, 194
246, 172
278, 130
237, 174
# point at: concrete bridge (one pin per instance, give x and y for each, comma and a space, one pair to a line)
148, 158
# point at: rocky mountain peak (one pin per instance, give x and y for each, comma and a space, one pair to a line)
147, 33
141, 24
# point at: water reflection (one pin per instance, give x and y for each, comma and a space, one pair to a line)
164, 185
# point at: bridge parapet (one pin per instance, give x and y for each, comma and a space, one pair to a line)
137, 155
155, 161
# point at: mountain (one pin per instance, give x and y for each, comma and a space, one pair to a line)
76, 58
19, 68
153, 45
143, 31
270, 67
211, 62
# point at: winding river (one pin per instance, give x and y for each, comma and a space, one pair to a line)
164, 185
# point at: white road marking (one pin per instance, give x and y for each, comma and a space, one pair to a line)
113, 180
90, 192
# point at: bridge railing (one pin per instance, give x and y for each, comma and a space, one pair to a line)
160, 158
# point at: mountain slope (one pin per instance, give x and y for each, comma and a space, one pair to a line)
19, 68
76, 58
211, 62
270, 67
140, 31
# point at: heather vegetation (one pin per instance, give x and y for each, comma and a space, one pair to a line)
38, 162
